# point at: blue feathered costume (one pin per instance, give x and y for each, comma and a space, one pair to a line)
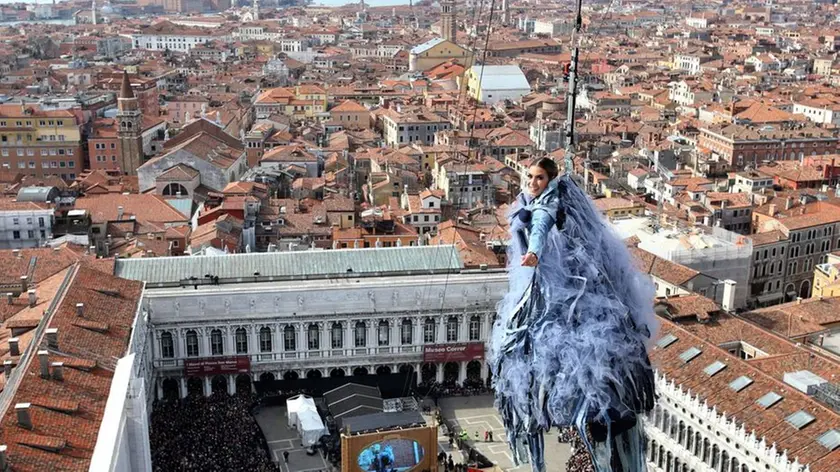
569, 347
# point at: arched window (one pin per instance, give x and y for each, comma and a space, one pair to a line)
475, 328
429, 331
217, 347
289, 338
337, 336
313, 337
192, 343
241, 341
265, 339
167, 346
360, 334
406, 332
452, 329
383, 333
175, 189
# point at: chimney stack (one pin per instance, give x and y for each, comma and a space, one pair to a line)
44, 359
788, 203
22, 410
16, 252
24, 283
7, 368
52, 338
798, 300
120, 212
10, 297
80, 310
728, 302
92, 250
4, 466
772, 209
14, 346
33, 297
58, 371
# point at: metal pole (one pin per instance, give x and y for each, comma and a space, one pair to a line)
571, 95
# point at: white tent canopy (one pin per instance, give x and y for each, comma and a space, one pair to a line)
303, 416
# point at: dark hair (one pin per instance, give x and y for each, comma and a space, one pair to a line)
549, 166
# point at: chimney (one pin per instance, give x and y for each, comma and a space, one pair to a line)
798, 300
92, 250
788, 203
44, 360
120, 211
24, 420
33, 297
10, 297
7, 368
14, 346
4, 466
52, 338
728, 302
24, 283
80, 310
16, 252
58, 371
772, 209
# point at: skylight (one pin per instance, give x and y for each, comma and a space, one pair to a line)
800, 419
769, 400
740, 383
830, 439
714, 368
690, 354
666, 341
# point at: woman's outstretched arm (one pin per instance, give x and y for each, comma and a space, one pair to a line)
542, 219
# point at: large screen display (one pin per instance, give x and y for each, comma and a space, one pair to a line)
391, 455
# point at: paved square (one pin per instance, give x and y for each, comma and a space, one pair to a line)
477, 414
281, 437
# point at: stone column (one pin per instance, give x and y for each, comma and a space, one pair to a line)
230, 341
349, 339
439, 373
179, 338
396, 337
183, 383
301, 341
231, 384
208, 388
441, 329
372, 339
159, 385
464, 331
156, 352
204, 342
462, 372
325, 343
254, 339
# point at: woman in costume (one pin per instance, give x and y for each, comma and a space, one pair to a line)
569, 347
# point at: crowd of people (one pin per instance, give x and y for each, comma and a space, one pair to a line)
580, 460
212, 433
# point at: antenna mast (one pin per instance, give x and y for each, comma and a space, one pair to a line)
571, 95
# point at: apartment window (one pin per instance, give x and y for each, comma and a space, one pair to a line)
452, 329
216, 343
429, 331
31, 164
265, 339
313, 337
406, 331
167, 346
30, 234
16, 234
360, 334
21, 165
15, 221
337, 336
192, 343
241, 341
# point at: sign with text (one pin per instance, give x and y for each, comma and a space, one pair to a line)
217, 366
453, 352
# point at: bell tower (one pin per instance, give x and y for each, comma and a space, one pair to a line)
448, 24
130, 129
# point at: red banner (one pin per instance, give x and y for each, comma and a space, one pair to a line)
217, 366
453, 352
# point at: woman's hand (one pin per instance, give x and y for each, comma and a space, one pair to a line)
529, 260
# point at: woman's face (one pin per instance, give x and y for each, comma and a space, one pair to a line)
537, 180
